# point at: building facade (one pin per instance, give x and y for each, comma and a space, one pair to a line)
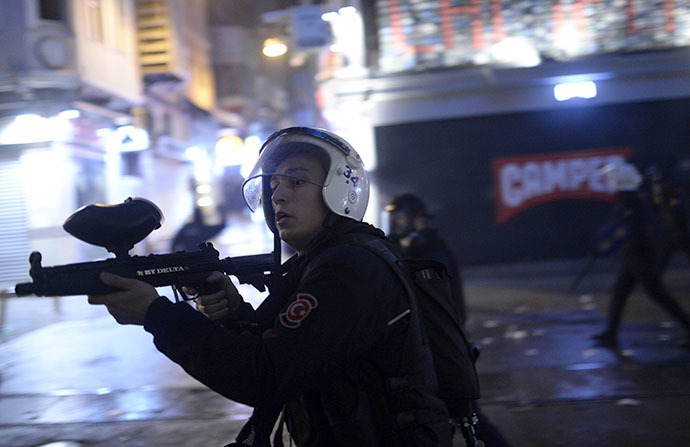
459, 104
99, 100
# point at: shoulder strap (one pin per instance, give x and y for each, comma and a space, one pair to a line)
378, 247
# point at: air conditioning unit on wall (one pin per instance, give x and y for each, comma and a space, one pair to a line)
50, 47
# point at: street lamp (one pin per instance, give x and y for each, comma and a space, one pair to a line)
274, 47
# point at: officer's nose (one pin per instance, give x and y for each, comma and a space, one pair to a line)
279, 194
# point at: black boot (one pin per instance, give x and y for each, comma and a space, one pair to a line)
607, 339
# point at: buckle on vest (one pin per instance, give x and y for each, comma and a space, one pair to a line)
397, 384
403, 420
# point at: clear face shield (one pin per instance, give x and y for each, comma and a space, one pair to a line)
253, 187
265, 172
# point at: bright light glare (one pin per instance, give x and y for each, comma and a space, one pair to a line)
515, 52
129, 139
274, 47
25, 125
347, 28
194, 153
204, 201
252, 144
39, 170
568, 41
203, 189
328, 16
569, 90
32, 128
229, 150
201, 162
69, 114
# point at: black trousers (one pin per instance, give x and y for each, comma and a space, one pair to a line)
487, 431
670, 249
643, 270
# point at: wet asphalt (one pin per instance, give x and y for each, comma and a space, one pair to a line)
70, 376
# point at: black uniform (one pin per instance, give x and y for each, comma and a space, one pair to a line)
328, 347
638, 265
674, 222
428, 244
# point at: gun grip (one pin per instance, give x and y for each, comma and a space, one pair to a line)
204, 288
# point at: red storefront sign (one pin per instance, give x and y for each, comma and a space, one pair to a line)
525, 181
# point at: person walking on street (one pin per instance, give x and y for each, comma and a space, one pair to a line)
638, 257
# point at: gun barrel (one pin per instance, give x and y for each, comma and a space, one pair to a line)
25, 288
240, 265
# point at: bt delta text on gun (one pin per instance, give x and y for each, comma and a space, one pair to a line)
118, 228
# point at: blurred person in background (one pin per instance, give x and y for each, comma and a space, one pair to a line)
416, 238
639, 262
672, 213
335, 345
411, 229
197, 231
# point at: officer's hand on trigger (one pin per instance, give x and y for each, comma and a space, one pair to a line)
216, 306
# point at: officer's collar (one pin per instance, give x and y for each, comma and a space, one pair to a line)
334, 227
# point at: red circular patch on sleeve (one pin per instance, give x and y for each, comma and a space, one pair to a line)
298, 310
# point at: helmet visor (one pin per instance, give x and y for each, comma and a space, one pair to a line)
253, 187
276, 148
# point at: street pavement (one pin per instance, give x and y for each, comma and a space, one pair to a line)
70, 376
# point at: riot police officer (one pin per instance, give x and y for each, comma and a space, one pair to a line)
334, 345
416, 238
671, 211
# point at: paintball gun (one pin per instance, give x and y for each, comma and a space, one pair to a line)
118, 228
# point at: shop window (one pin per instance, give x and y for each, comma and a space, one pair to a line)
90, 182
52, 10
131, 164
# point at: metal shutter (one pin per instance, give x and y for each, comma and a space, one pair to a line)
14, 235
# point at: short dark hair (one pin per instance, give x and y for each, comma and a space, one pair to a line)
293, 148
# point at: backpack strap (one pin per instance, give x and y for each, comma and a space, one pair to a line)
377, 246
465, 418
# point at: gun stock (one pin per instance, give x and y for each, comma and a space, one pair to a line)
183, 268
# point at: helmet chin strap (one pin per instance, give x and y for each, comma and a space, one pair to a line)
276, 274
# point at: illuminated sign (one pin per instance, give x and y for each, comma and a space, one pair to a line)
525, 181
308, 29
438, 33
127, 139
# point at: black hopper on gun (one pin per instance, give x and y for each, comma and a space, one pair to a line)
117, 228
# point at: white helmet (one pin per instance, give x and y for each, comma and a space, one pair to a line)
621, 176
346, 186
